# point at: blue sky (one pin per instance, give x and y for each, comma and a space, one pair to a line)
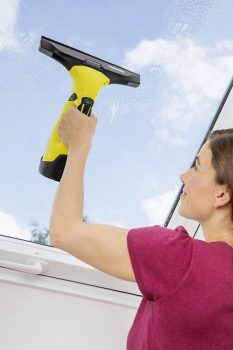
145, 136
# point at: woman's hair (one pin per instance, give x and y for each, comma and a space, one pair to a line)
221, 145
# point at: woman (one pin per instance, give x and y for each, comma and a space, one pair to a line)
186, 283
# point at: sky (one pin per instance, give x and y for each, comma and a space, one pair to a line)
145, 136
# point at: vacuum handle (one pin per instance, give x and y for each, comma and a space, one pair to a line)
86, 84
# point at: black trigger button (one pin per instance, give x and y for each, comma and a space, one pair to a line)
86, 105
73, 97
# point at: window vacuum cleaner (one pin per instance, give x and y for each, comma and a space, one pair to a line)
89, 75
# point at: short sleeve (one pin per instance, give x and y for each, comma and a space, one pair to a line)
160, 258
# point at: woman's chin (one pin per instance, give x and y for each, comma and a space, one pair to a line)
181, 211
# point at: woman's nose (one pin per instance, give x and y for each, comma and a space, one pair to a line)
185, 175
182, 176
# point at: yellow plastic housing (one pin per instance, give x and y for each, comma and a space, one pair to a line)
86, 83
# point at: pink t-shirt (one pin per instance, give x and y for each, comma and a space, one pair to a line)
187, 288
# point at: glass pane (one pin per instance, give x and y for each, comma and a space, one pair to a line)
145, 136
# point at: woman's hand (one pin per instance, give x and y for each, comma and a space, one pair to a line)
76, 127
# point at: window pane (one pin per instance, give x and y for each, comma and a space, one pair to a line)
146, 136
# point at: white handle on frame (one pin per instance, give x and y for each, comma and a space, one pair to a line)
32, 266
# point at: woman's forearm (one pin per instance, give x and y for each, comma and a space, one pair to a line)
69, 199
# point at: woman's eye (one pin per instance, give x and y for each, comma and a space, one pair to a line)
195, 167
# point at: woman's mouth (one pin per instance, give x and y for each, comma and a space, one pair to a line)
183, 194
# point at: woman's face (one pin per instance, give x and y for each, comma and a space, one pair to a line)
200, 188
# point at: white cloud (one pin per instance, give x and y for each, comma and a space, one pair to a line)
10, 38
9, 227
8, 19
157, 208
196, 76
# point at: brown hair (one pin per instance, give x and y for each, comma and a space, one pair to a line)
221, 145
